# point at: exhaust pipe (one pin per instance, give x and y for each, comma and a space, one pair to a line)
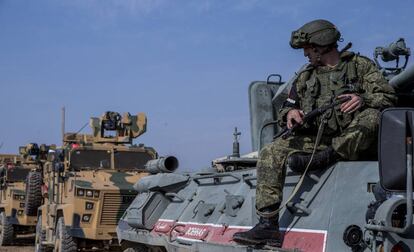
162, 165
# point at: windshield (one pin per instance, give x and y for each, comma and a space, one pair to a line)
17, 174
128, 160
90, 159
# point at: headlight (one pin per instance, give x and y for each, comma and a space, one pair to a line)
88, 205
80, 192
89, 193
18, 197
86, 217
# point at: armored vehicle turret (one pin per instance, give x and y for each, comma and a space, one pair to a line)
349, 206
89, 184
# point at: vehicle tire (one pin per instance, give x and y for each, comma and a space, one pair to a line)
33, 193
63, 241
6, 230
40, 236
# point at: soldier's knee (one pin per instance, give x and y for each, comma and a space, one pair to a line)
277, 147
265, 151
370, 115
368, 119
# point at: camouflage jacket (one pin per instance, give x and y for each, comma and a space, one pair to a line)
317, 86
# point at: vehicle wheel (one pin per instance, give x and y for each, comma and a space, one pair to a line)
6, 230
64, 242
40, 236
33, 193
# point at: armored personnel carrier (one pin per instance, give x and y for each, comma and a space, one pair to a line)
18, 191
335, 209
88, 184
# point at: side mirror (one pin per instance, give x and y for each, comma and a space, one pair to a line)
3, 184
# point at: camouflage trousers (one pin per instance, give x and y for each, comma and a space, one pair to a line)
360, 134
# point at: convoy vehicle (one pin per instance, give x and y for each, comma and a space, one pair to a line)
350, 206
19, 191
88, 184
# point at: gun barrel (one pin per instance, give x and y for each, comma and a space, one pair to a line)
404, 81
164, 164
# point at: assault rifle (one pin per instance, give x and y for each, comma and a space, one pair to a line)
286, 132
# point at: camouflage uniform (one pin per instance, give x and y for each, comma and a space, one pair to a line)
349, 134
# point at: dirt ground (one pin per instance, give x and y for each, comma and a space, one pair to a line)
17, 249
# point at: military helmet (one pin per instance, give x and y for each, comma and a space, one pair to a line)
318, 32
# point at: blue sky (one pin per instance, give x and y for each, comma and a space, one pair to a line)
186, 64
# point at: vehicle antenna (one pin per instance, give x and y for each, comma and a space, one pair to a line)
63, 122
86, 124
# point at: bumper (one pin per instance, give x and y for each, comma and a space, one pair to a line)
23, 220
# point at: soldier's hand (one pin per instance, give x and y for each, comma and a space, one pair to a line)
351, 105
294, 116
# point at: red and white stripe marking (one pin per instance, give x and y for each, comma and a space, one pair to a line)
306, 240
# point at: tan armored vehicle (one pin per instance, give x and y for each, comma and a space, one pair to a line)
89, 184
20, 185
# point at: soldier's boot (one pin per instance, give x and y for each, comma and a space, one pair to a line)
298, 161
266, 232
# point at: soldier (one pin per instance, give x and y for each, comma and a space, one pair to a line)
349, 129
